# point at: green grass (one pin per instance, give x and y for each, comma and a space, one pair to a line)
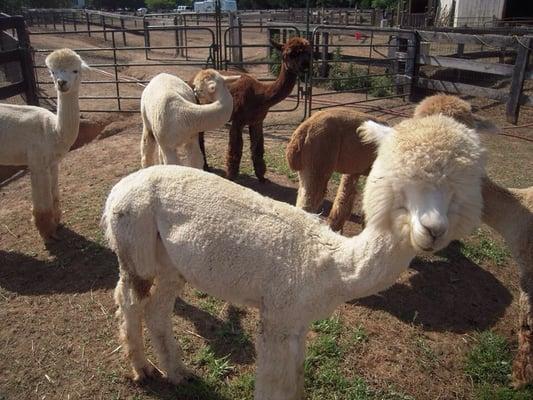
276, 162
210, 304
217, 368
489, 360
481, 248
488, 364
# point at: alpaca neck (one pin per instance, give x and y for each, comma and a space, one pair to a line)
68, 118
499, 207
282, 87
373, 262
212, 115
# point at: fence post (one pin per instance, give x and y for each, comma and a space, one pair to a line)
235, 37
176, 36
63, 21
324, 55
87, 19
102, 19
411, 64
123, 27
27, 63
146, 37
517, 80
74, 21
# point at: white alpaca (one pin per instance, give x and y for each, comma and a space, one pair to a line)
35, 137
169, 225
509, 212
172, 118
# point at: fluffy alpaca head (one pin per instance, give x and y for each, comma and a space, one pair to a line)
456, 108
208, 84
296, 54
425, 184
65, 67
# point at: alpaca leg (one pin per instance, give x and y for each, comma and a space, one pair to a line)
194, 156
280, 363
129, 313
169, 156
43, 203
312, 190
201, 142
55, 193
148, 148
523, 362
233, 157
257, 149
343, 204
158, 313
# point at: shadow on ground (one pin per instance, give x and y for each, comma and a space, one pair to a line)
453, 295
78, 265
225, 337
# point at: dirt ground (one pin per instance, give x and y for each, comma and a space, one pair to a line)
58, 334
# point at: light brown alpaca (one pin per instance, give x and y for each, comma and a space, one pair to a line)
510, 213
327, 142
252, 100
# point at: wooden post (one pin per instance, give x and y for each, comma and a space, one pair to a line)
74, 21
176, 36
63, 21
517, 80
87, 19
411, 64
146, 37
324, 55
235, 37
460, 49
27, 63
102, 19
123, 27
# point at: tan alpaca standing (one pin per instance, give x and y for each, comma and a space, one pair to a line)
38, 138
328, 142
509, 212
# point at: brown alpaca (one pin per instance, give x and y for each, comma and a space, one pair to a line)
327, 142
252, 100
510, 213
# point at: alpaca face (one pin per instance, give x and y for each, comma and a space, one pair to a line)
425, 185
209, 83
65, 67
297, 54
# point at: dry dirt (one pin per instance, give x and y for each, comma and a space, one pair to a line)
58, 336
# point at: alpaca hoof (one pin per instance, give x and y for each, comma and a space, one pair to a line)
206, 168
262, 179
184, 374
46, 225
144, 373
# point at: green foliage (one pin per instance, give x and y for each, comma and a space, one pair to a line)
489, 392
481, 248
346, 78
380, 86
217, 368
160, 4
489, 360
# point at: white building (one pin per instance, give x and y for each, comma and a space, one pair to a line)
482, 12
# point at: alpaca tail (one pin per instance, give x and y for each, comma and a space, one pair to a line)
295, 147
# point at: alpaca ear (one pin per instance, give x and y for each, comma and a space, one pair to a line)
230, 79
276, 45
483, 125
211, 87
372, 132
85, 66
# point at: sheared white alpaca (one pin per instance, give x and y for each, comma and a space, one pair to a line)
35, 137
509, 212
169, 225
172, 118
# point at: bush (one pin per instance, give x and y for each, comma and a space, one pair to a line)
380, 86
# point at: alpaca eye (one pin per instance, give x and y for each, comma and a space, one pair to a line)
75, 71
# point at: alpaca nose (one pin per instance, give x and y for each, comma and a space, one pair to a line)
61, 83
435, 230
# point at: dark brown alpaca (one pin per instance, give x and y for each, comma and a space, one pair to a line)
252, 100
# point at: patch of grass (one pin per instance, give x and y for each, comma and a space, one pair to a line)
276, 162
489, 360
241, 387
489, 392
217, 368
210, 304
481, 248
427, 357
359, 335
231, 334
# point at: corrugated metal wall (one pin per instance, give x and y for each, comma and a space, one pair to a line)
475, 12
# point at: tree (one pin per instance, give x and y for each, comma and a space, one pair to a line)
160, 4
